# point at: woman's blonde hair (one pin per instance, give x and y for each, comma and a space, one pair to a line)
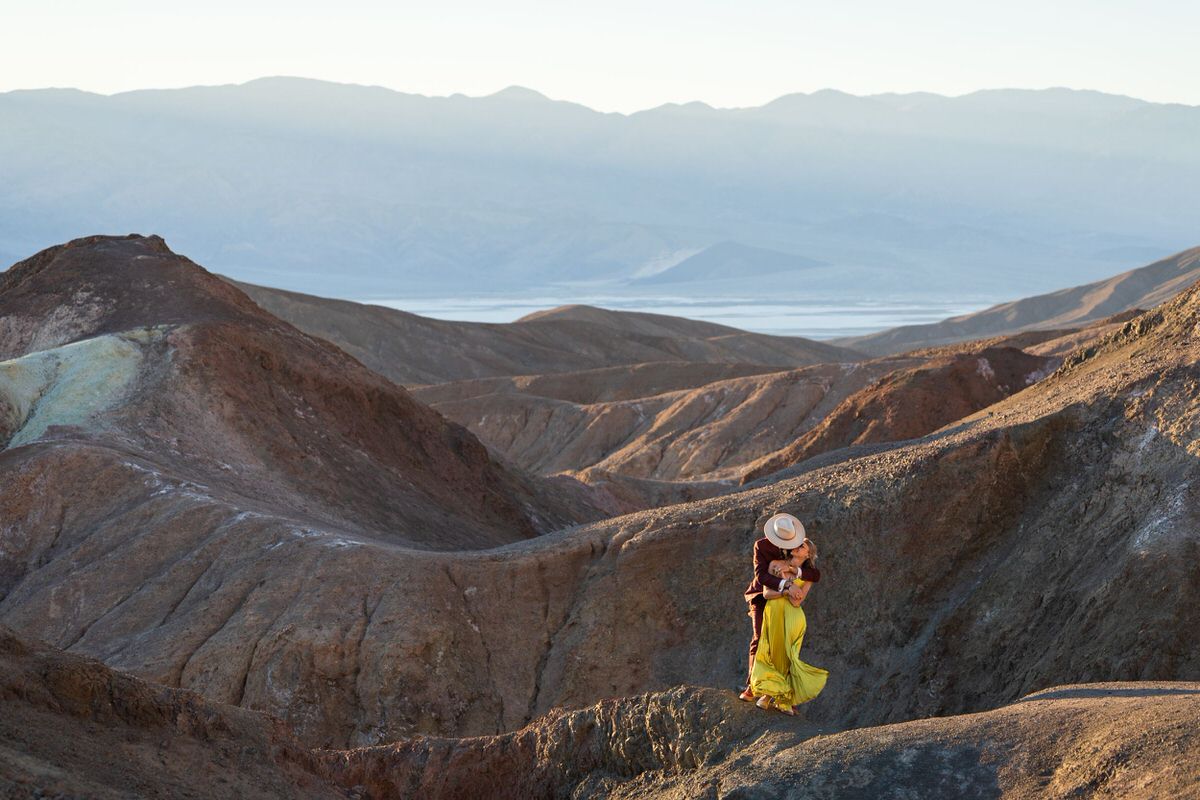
812, 552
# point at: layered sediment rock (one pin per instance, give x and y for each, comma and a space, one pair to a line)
709, 432
741, 428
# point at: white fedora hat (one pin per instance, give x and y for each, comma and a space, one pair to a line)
784, 531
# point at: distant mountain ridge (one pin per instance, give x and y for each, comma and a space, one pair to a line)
358, 191
1142, 288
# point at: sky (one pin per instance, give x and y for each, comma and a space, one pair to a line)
613, 56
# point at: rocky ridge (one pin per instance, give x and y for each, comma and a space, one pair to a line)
1144, 287
910, 403
414, 350
736, 429
65, 716
1126, 740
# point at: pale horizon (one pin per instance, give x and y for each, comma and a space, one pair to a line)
624, 58
578, 102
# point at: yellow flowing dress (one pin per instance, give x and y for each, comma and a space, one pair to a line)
778, 670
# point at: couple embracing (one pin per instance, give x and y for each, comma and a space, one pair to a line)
784, 573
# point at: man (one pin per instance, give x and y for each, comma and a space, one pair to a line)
784, 533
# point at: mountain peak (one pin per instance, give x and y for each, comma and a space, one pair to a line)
107, 284
519, 93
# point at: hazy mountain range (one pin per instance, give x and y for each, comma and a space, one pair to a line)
356, 191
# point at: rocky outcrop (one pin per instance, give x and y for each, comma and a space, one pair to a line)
411, 349
65, 717
109, 285
1099, 740
70, 727
1144, 287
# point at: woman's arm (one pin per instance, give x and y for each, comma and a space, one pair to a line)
805, 586
802, 587
771, 594
782, 568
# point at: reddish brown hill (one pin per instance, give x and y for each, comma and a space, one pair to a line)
229, 396
109, 284
909, 403
415, 350
741, 427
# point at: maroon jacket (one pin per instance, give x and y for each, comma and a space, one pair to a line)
764, 553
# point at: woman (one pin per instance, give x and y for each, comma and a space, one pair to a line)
779, 677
